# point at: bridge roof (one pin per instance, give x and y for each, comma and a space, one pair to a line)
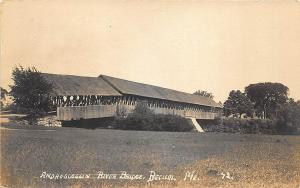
80, 85
146, 90
111, 86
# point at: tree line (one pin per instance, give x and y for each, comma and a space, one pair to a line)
264, 100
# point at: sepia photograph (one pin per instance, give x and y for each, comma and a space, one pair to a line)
140, 93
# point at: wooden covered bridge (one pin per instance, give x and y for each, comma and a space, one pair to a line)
78, 97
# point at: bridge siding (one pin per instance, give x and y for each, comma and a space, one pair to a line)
85, 112
100, 111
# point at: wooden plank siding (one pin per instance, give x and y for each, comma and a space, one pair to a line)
85, 112
100, 111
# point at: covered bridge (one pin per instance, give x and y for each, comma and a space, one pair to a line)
78, 97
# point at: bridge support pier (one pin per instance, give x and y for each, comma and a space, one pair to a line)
196, 124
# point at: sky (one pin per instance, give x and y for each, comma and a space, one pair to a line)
217, 46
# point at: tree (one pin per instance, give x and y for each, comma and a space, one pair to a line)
288, 119
238, 104
3, 93
267, 97
204, 94
30, 90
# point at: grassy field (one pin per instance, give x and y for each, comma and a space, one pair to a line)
218, 160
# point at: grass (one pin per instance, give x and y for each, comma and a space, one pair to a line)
253, 160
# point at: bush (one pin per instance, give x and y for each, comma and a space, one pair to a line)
144, 119
244, 126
